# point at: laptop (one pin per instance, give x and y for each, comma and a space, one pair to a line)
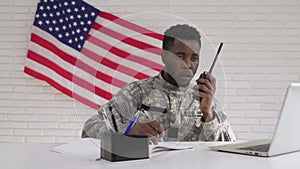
286, 138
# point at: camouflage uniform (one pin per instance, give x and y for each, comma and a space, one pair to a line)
174, 107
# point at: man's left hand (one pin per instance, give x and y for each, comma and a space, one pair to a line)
206, 90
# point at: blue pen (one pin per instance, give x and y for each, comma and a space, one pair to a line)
131, 123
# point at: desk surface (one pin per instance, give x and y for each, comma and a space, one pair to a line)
37, 156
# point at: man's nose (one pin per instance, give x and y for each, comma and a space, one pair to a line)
188, 63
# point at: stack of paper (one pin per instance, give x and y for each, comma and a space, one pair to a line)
168, 146
89, 148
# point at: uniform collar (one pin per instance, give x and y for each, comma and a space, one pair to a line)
161, 83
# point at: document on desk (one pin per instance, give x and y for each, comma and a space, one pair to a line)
89, 148
168, 146
86, 148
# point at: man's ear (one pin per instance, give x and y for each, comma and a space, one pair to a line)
164, 56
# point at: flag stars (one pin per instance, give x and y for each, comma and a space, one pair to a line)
59, 4
67, 20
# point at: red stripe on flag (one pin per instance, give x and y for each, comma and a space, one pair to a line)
131, 26
60, 87
72, 78
113, 65
72, 60
123, 54
128, 40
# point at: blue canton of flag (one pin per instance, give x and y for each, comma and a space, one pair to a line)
69, 21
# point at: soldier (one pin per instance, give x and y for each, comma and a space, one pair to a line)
167, 103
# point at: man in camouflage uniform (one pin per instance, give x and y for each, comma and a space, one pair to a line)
169, 98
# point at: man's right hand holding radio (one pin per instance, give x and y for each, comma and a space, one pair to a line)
205, 89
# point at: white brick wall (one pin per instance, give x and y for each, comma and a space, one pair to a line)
261, 56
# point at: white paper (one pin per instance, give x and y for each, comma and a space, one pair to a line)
87, 148
168, 146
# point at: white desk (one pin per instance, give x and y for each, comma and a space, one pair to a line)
39, 156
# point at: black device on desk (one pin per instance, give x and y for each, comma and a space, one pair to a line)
203, 75
122, 147
118, 147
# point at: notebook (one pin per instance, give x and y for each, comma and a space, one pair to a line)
169, 146
89, 148
286, 138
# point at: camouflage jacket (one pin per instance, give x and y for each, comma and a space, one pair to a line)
173, 106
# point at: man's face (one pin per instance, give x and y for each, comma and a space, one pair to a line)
181, 60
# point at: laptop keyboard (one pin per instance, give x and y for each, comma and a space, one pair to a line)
261, 148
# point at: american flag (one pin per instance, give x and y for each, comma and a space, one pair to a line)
89, 54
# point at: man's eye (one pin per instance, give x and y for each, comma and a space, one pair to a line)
180, 56
195, 59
